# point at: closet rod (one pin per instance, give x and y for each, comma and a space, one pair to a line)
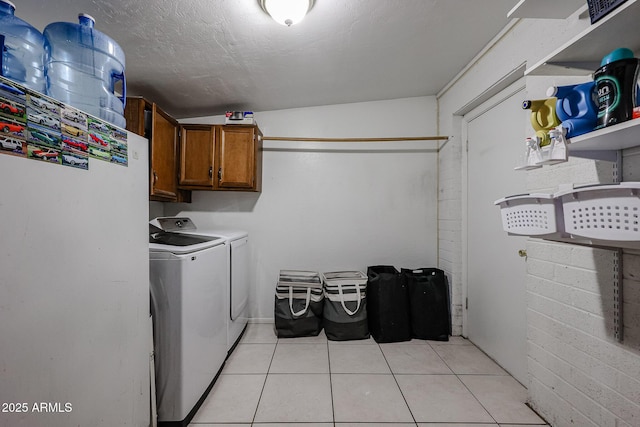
400, 138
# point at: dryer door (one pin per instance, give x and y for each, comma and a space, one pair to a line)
239, 293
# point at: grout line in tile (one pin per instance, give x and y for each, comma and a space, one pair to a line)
462, 382
494, 361
506, 374
398, 385
303, 373
255, 413
441, 358
333, 410
381, 374
385, 359
405, 374
476, 398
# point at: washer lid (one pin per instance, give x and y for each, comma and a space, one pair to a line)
227, 234
170, 223
182, 244
179, 243
177, 239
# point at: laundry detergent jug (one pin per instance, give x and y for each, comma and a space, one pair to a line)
84, 68
543, 117
22, 48
576, 107
616, 86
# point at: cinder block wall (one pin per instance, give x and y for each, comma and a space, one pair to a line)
450, 222
579, 375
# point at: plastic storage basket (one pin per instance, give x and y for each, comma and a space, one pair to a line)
605, 212
534, 214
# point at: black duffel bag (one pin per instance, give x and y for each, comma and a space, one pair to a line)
429, 303
388, 305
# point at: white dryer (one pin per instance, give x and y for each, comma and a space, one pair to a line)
239, 283
188, 283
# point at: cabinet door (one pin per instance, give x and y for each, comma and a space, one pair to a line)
236, 157
197, 147
134, 114
163, 170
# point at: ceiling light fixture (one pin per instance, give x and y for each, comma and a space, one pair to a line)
287, 12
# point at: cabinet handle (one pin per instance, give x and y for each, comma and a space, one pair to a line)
210, 171
155, 177
219, 174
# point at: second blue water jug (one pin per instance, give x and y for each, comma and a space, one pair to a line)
21, 49
84, 67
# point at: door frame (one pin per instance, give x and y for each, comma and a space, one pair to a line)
496, 94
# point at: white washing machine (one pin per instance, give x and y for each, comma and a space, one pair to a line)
237, 243
188, 283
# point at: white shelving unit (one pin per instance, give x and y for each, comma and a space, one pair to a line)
605, 244
606, 215
550, 9
604, 144
617, 137
582, 54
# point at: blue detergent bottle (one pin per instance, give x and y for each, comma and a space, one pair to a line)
85, 69
22, 48
576, 107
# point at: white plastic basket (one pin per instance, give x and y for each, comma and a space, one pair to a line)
606, 212
534, 214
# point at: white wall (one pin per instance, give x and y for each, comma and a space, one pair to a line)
156, 209
334, 206
578, 374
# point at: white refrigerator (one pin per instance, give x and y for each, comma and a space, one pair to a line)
74, 292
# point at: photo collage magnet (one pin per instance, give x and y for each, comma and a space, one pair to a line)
106, 142
13, 119
44, 141
38, 127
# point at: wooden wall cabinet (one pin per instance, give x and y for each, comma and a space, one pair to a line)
150, 121
197, 163
239, 156
221, 158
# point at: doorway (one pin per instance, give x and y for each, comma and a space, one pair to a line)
495, 272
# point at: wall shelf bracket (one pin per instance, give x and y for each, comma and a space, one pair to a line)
618, 325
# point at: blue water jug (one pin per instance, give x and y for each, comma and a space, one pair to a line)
576, 107
84, 67
22, 49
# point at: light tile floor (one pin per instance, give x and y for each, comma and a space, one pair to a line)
313, 382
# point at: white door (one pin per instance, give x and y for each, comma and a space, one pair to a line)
496, 274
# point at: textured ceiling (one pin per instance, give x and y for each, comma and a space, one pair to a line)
203, 57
